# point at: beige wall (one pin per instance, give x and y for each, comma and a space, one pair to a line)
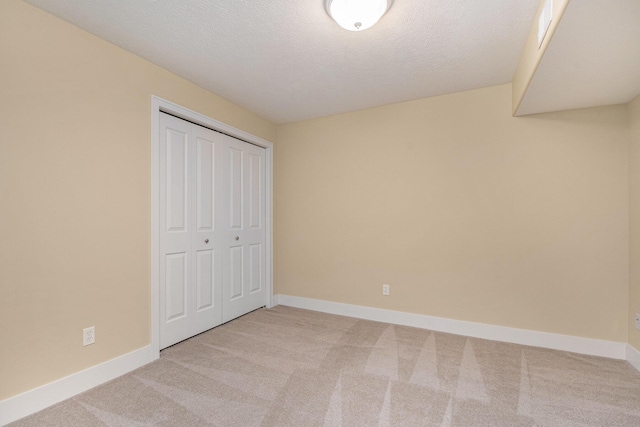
634, 221
532, 53
75, 193
467, 212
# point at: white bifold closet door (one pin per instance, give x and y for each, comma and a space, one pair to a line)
212, 229
243, 260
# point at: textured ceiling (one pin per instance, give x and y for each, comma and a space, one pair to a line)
287, 60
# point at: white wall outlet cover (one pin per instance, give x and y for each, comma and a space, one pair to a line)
385, 289
88, 335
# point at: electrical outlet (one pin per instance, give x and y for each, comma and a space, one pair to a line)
385, 289
88, 335
637, 320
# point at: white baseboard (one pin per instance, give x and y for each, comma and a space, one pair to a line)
590, 346
34, 400
633, 357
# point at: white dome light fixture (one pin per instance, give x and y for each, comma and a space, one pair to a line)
357, 15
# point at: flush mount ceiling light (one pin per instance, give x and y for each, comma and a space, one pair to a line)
357, 15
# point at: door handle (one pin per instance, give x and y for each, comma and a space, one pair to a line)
206, 240
237, 237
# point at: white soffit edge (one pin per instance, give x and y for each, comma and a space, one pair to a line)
593, 59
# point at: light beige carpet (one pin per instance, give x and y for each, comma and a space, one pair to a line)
291, 367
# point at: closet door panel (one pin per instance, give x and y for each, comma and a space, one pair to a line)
244, 270
190, 272
205, 239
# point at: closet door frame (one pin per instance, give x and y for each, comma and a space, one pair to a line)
158, 105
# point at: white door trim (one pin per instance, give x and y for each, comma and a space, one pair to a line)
158, 105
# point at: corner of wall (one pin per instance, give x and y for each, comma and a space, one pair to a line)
634, 225
633, 357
